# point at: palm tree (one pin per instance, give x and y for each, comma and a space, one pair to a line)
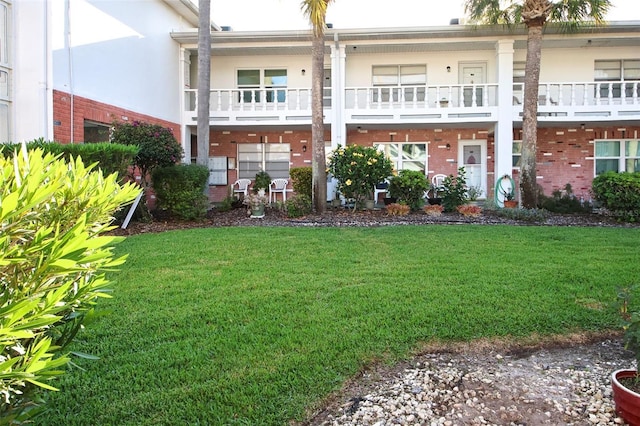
316, 12
534, 14
204, 80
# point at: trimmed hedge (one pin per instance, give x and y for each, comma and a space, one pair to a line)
619, 193
180, 190
111, 157
302, 180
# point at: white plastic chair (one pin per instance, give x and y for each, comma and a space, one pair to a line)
384, 188
278, 186
241, 186
437, 181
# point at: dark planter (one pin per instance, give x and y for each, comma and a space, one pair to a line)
627, 401
389, 200
434, 201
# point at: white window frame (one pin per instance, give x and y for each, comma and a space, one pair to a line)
5, 72
273, 92
274, 158
399, 160
621, 73
387, 85
624, 156
516, 154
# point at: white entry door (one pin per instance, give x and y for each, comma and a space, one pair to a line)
472, 74
472, 155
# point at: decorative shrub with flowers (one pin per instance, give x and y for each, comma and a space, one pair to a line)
158, 147
358, 169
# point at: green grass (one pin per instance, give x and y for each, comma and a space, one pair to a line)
257, 325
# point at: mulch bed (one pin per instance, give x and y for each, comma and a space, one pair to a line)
340, 217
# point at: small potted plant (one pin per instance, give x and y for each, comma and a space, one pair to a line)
262, 182
508, 192
626, 383
435, 195
256, 202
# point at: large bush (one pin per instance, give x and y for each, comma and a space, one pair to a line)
564, 202
358, 169
619, 193
111, 157
52, 263
180, 190
302, 180
157, 145
409, 188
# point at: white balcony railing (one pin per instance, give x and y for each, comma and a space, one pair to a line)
421, 97
444, 103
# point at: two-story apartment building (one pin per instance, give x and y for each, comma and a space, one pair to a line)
433, 99
70, 68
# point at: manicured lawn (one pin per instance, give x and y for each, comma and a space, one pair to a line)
253, 326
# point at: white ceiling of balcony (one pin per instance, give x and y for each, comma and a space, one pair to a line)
410, 40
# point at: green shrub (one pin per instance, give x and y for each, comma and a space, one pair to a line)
302, 180
524, 215
618, 193
262, 181
454, 192
52, 263
111, 157
358, 169
299, 205
564, 202
180, 190
157, 147
409, 188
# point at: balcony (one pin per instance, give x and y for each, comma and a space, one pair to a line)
591, 101
422, 104
437, 105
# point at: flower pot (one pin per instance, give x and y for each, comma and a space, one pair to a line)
434, 201
369, 204
510, 204
627, 402
336, 202
257, 212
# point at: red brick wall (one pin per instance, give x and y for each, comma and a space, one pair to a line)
88, 109
565, 155
225, 143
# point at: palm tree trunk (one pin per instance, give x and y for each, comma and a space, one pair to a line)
319, 172
204, 81
528, 183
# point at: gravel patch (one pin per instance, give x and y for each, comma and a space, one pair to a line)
568, 385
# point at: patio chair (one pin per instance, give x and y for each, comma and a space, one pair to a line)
436, 183
278, 186
241, 186
381, 188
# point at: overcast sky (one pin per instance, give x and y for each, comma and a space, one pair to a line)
254, 15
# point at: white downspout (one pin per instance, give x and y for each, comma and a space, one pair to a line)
70, 65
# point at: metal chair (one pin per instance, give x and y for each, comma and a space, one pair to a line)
278, 186
241, 186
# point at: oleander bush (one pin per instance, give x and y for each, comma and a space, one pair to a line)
454, 191
53, 257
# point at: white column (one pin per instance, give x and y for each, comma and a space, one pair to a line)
504, 126
338, 79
